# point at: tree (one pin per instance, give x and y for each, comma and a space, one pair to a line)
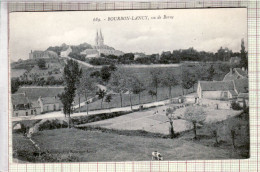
132, 85
117, 83
156, 80
243, 54
71, 75
101, 94
41, 63
169, 80
211, 72
86, 86
105, 73
138, 87
108, 99
195, 115
15, 83
187, 80
169, 114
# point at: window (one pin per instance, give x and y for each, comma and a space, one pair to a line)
225, 95
31, 112
26, 114
16, 114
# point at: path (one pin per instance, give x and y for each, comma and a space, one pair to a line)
80, 62
59, 114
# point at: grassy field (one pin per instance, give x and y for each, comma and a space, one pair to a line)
148, 121
78, 145
163, 94
66, 145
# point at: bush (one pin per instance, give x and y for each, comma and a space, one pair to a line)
235, 106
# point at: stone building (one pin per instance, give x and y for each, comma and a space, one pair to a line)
21, 106
42, 54
49, 104
100, 48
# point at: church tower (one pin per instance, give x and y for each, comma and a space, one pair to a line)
101, 39
97, 39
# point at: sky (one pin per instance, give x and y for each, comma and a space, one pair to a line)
202, 29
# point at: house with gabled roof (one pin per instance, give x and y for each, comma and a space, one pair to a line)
21, 105
49, 104
235, 73
216, 90
222, 90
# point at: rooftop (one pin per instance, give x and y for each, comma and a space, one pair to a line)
19, 98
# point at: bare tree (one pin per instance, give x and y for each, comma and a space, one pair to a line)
168, 79
117, 83
195, 115
86, 87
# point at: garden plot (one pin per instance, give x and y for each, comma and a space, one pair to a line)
155, 120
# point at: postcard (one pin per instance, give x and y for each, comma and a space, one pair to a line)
129, 85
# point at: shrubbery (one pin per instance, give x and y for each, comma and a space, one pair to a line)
236, 106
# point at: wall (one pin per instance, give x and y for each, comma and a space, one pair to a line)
22, 112
216, 104
50, 107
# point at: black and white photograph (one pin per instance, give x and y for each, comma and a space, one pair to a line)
130, 85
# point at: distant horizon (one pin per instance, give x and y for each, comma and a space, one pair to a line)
203, 29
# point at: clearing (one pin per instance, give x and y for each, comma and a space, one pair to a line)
150, 121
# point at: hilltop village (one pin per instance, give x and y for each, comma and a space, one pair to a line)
177, 97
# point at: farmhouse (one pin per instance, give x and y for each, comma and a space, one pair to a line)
66, 52
235, 73
49, 104
21, 106
222, 93
42, 54
216, 90
35, 92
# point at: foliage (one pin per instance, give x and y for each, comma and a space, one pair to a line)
211, 72
101, 61
188, 79
41, 63
168, 80
15, 83
243, 53
195, 115
156, 80
77, 56
101, 94
236, 106
72, 73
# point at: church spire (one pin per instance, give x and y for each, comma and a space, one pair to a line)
101, 39
97, 38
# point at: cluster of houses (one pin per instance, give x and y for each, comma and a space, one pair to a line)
24, 104
221, 94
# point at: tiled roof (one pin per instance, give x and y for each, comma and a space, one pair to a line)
50, 100
230, 76
34, 93
236, 74
233, 93
35, 104
241, 85
243, 95
216, 85
19, 98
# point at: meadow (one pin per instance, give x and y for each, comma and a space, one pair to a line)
75, 145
